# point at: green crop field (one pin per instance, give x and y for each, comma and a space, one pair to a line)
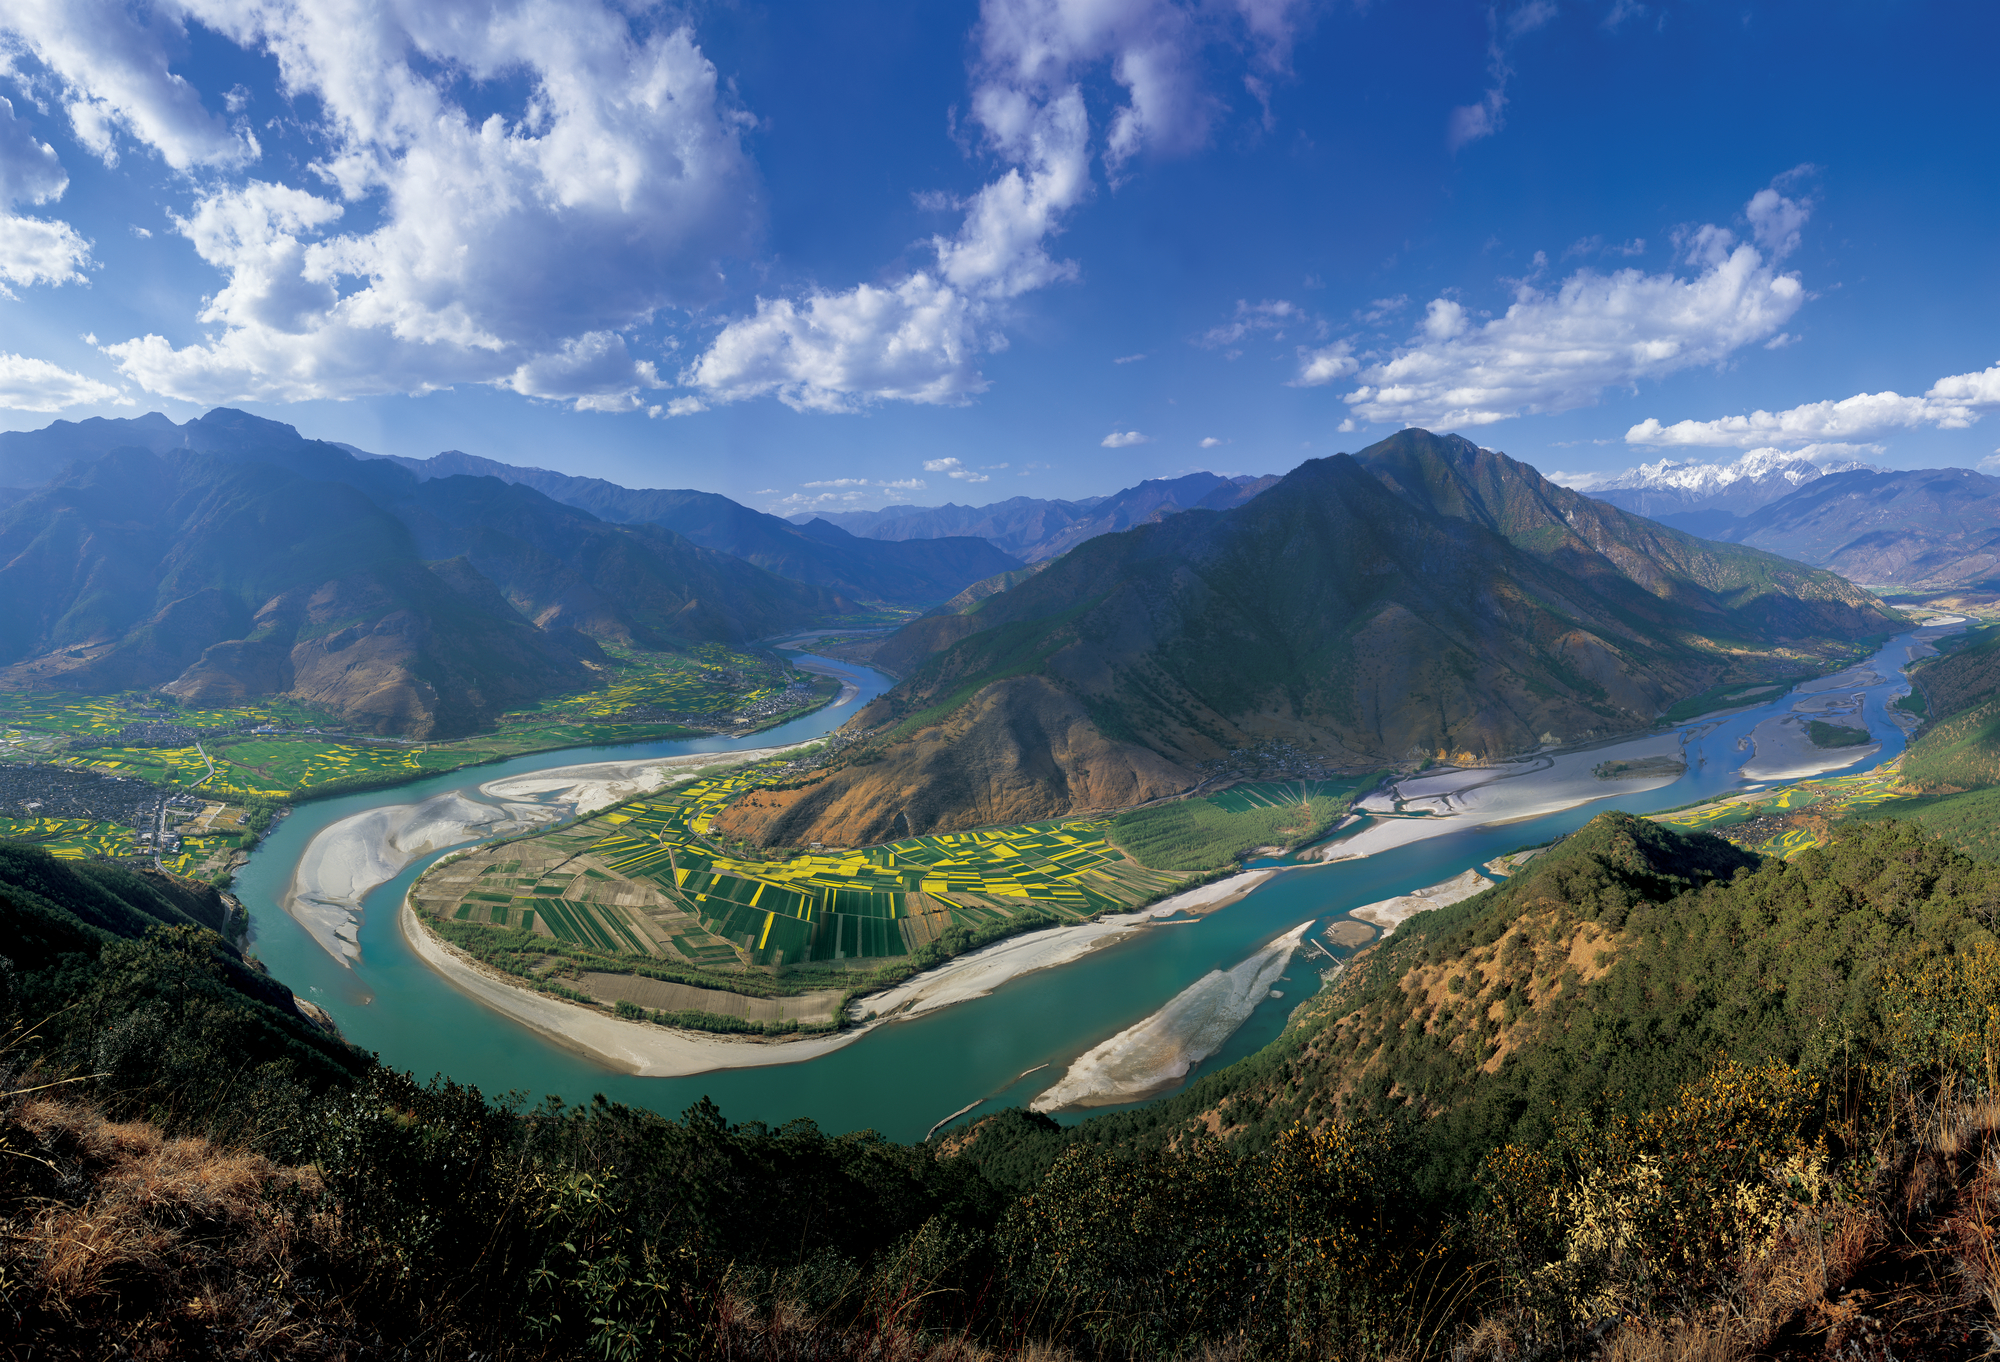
1210, 833
72, 839
1835, 735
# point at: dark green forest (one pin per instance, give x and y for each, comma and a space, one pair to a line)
192, 1165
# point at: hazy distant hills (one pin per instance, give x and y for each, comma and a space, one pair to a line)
1424, 595
1928, 530
240, 559
1034, 529
919, 573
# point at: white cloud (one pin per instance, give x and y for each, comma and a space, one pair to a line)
953, 468
1124, 439
1347, 427
112, 62
617, 170
1952, 403
33, 250
37, 385
1128, 359
1554, 351
1990, 464
1270, 315
1209, 442
919, 339
1326, 364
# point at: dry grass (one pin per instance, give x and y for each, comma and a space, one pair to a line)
115, 1240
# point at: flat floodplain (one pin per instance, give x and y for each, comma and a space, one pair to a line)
642, 888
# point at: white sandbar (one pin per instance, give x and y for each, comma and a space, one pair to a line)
600, 784
1784, 745
1433, 803
1158, 1052
1390, 914
977, 973
359, 853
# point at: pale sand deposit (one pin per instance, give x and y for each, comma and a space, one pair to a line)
1784, 745
1390, 914
1158, 1052
355, 855
629, 1047
600, 784
977, 973
1451, 800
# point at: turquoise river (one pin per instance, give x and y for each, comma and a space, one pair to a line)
901, 1078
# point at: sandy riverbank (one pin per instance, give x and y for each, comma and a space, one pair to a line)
977, 973
358, 854
1433, 803
629, 1047
579, 790
1784, 746
1157, 1053
1390, 914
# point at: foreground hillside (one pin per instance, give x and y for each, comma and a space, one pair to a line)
1425, 596
250, 562
1651, 1099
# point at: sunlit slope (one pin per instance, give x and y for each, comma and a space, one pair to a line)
1424, 597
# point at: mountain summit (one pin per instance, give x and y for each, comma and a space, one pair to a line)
1422, 596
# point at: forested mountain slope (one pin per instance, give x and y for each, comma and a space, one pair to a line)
249, 561
1423, 597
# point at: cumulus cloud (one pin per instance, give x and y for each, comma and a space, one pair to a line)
1124, 439
614, 165
920, 338
953, 468
1326, 364
1554, 350
111, 61
33, 250
1209, 442
1952, 403
37, 385
1990, 464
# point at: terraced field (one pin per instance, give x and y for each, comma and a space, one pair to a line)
1785, 821
72, 839
644, 880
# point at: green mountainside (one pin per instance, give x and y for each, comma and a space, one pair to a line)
1654, 1098
1425, 597
252, 562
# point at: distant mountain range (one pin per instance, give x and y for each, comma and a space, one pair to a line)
1688, 495
919, 573
1928, 530
1033, 529
230, 557
1423, 596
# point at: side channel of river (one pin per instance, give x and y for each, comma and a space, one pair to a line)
1000, 1050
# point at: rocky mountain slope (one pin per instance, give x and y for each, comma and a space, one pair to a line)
1424, 596
1034, 529
249, 561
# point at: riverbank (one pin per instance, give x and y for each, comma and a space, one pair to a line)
638, 1048
648, 1050
349, 858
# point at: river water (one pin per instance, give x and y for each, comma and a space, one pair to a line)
1000, 1050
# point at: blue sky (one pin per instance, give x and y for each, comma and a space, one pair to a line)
841, 255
